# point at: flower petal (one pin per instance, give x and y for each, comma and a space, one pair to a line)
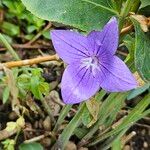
117, 76
70, 46
105, 40
78, 84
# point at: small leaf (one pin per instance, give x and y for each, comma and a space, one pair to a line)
93, 107
138, 91
35, 87
86, 117
20, 122
11, 126
90, 112
9, 144
31, 146
6, 93
10, 29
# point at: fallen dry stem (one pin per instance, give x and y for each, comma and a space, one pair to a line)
29, 61
4, 134
38, 138
126, 29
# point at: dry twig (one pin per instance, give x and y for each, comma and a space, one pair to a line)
26, 62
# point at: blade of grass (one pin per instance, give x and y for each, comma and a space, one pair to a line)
132, 117
63, 114
67, 132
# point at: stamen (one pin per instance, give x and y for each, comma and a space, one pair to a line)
92, 63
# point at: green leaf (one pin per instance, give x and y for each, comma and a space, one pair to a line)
117, 144
6, 93
142, 52
129, 42
8, 144
44, 88
31, 146
138, 91
83, 14
145, 3
145, 7
35, 87
15, 7
10, 29
86, 117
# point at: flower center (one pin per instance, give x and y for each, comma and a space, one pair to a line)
91, 62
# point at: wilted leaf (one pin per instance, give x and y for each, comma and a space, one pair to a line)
13, 90
90, 112
144, 21
11, 126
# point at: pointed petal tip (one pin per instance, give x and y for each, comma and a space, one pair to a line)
119, 78
113, 18
113, 22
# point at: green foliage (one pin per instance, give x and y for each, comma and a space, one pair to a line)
33, 82
100, 114
8, 144
27, 80
24, 18
145, 7
144, 3
31, 146
138, 91
137, 113
142, 52
83, 14
10, 29
129, 42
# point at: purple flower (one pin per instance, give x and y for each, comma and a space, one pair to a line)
91, 63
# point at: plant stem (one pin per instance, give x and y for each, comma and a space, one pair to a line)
125, 12
67, 132
63, 114
8, 46
32, 61
48, 110
39, 34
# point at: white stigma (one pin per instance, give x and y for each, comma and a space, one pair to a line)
91, 62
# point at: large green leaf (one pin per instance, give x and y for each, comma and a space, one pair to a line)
142, 52
145, 3
145, 8
83, 14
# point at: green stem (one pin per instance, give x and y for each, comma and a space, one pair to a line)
67, 132
63, 114
9, 48
125, 11
48, 110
